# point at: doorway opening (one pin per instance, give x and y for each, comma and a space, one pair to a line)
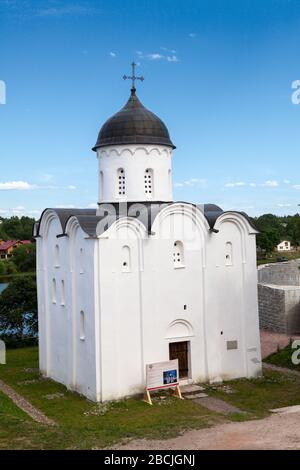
180, 351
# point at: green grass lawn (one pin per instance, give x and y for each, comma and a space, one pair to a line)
283, 358
81, 424
257, 396
85, 425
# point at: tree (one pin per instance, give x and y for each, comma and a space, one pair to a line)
7, 267
18, 311
16, 228
293, 229
268, 239
25, 258
271, 231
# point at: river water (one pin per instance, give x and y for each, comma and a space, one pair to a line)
3, 286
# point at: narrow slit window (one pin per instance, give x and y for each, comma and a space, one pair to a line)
53, 291
126, 261
56, 256
62, 293
170, 180
82, 326
178, 254
101, 184
81, 261
228, 254
121, 182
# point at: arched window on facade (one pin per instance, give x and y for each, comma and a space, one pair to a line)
82, 325
178, 254
56, 256
148, 183
126, 261
228, 254
121, 182
53, 291
62, 293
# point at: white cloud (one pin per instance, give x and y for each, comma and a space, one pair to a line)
93, 205
172, 51
253, 185
192, 35
296, 186
155, 56
172, 58
192, 182
271, 184
235, 185
284, 205
24, 185
18, 185
20, 211
286, 181
113, 54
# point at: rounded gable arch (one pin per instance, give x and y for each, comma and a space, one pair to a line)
179, 328
48, 215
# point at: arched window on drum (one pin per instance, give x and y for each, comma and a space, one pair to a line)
178, 254
148, 183
121, 182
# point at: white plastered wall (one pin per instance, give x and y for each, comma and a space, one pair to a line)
134, 160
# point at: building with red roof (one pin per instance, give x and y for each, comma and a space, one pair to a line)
7, 247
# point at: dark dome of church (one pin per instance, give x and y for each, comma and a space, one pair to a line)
133, 124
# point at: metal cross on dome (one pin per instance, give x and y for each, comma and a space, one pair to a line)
133, 77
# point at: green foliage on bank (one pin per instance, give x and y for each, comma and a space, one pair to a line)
16, 228
273, 229
18, 312
283, 357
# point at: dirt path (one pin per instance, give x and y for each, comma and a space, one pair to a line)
27, 407
280, 431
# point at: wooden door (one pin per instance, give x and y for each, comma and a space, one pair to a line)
180, 351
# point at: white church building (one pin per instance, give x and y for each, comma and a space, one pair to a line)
143, 278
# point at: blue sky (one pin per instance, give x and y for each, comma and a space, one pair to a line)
218, 72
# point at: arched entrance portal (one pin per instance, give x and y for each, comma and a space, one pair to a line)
179, 334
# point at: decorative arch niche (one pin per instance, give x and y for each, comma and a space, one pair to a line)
179, 329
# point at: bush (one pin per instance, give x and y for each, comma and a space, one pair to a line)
7, 267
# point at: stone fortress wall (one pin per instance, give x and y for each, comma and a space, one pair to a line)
279, 297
